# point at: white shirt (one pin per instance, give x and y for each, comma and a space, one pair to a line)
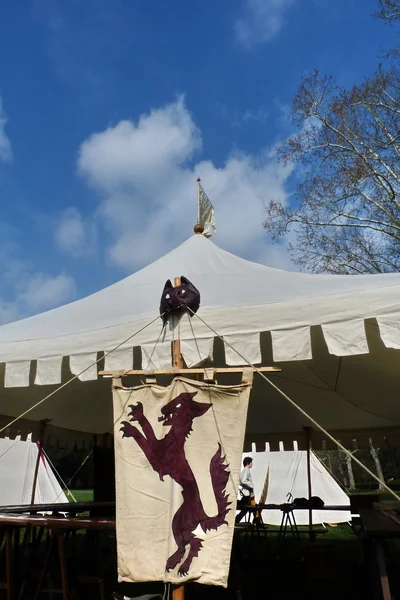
247, 480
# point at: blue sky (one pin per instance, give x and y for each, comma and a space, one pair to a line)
110, 109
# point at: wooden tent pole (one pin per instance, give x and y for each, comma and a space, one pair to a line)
307, 431
178, 591
177, 355
39, 456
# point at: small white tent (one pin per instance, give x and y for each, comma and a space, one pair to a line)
17, 470
287, 473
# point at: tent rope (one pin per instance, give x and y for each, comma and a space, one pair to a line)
78, 375
70, 480
66, 488
302, 411
10, 448
154, 348
234, 483
195, 339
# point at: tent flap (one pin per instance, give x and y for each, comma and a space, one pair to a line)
198, 352
389, 327
83, 365
156, 356
119, 360
346, 338
292, 344
48, 370
17, 374
248, 345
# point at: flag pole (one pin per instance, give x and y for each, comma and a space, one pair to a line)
198, 199
198, 228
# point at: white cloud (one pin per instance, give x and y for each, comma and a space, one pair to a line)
5, 144
75, 236
24, 291
42, 291
127, 152
261, 21
37, 292
259, 116
146, 179
239, 120
9, 311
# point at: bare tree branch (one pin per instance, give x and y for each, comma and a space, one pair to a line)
347, 212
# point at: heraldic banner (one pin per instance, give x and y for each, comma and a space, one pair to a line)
178, 452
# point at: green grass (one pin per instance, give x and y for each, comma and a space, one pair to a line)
81, 495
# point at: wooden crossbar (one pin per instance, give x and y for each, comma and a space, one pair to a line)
197, 371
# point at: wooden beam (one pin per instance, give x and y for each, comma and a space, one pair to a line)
181, 371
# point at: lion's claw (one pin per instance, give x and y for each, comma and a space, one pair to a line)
127, 429
136, 411
182, 572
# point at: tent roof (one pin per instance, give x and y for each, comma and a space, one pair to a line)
301, 322
237, 296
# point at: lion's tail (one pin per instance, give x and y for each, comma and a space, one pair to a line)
219, 478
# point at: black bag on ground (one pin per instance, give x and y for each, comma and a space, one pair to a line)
313, 502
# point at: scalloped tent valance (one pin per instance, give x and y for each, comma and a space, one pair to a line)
336, 338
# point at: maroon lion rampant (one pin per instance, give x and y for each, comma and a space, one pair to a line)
167, 457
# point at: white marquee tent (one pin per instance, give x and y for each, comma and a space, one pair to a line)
287, 473
336, 339
17, 471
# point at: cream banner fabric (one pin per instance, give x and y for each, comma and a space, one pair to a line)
178, 456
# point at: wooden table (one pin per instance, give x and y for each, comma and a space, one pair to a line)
379, 526
345, 507
64, 507
58, 526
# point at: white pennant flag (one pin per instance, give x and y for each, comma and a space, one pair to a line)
206, 215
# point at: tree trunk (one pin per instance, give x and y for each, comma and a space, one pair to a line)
343, 472
329, 461
375, 457
349, 463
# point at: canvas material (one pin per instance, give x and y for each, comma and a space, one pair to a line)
17, 470
287, 473
146, 505
243, 302
238, 297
